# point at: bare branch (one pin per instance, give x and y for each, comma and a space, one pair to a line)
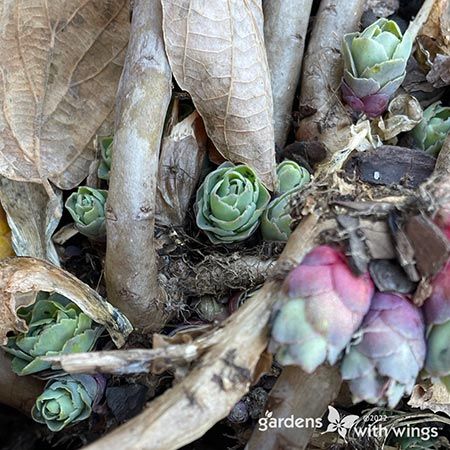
323, 67
285, 28
143, 99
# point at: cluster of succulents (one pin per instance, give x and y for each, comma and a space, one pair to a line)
327, 313
232, 203
56, 326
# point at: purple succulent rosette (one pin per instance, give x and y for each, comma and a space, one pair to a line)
375, 66
326, 305
384, 362
437, 315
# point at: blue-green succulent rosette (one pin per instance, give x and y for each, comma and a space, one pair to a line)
67, 400
55, 327
430, 134
375, 66
230, 202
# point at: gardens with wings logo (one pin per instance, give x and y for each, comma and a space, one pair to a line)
340, 424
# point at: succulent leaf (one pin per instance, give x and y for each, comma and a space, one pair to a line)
437, 315
431, 132
291, 176
87, 208
105, 144
384, 362
67, 400
325, 304
229, 203
55, 326
375, 64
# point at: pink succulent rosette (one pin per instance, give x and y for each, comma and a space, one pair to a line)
326, 305
437, 315
388, 352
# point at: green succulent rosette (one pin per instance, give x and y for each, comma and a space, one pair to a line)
375, 65
87, 208
55, 327
105, 144
291, 176
67, 400
276, 220
431, 132
229, 203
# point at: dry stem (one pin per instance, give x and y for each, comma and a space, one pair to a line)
143, 99
285, 28
322, 70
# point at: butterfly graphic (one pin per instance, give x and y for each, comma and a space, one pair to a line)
341, 425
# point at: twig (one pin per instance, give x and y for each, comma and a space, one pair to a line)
143, 99
301, 395
221, 376
322, 70
285, 28
18, 392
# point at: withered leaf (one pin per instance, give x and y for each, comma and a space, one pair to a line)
33, 215
60, 62
181, 160
21, 279
216, 51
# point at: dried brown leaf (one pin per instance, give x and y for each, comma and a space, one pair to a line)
216, 51
433, 396
60, 63
21, 279
33, 215
181, 160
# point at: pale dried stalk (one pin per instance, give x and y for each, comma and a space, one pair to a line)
302, 395
323, 68
220, 378
285, 28
143, 99
18, 392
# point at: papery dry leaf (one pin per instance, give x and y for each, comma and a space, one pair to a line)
433, 396
404, 113
33, 215
60, 62
181, 160
434, 37
439, 75
21, 279
216, 51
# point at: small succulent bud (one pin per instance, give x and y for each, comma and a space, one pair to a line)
291, 176
277, 220
325, 305
230, 203
105, 144
384, 363
437, 316
55, 326
210, 310
430, 133
375, 66
67, 400
87, 208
